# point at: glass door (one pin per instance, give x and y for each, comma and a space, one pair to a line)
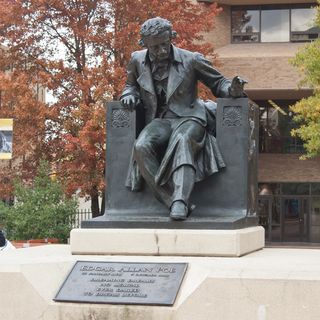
315, 220
295, 219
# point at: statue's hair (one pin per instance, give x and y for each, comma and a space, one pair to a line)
154, 27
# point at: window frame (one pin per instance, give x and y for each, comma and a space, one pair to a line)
239, 34
260, 8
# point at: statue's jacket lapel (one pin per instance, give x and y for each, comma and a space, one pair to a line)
182, 86
147, 91
175, 78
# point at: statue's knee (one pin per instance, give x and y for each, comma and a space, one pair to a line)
196, 133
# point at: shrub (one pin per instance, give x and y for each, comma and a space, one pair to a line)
40, 210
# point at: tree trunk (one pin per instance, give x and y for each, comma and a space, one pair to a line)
95, 205
103, 204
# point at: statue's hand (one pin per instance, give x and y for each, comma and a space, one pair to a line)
236, 88
130, 102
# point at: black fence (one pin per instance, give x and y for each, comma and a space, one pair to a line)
83, 214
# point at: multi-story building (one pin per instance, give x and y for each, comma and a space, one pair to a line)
256, 39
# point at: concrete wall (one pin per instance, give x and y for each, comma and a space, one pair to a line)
271, 284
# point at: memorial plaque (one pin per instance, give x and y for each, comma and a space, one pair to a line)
122, 283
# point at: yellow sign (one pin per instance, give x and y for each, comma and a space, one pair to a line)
6, 132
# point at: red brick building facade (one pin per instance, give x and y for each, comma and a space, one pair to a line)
256, 39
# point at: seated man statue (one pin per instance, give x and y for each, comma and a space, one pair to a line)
175, 149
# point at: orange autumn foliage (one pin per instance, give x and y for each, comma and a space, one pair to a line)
19, 93
79, 50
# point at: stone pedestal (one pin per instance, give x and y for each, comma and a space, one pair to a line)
277, 284
167, 242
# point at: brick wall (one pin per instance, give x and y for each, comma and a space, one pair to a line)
287, 168
265, 66
220, 36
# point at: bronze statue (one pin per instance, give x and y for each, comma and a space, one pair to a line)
176, 148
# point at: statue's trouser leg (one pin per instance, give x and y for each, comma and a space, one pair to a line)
183, 181
154, 136
187, 138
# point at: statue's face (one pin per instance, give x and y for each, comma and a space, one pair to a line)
159, 46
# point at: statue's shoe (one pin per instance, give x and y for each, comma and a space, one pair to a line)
179, 211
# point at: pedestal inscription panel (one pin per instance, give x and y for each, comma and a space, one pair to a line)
122, 283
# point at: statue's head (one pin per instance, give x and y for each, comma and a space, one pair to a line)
156, 35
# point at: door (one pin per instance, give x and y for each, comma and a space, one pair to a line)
295, 219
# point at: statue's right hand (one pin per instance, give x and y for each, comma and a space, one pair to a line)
130, 101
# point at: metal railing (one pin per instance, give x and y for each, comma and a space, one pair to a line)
81, 215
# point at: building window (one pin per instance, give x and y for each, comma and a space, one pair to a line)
245, 25
315, 189
276, 123
302, 28
273, 24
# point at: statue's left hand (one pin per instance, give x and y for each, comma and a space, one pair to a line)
237, 86
130, 101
